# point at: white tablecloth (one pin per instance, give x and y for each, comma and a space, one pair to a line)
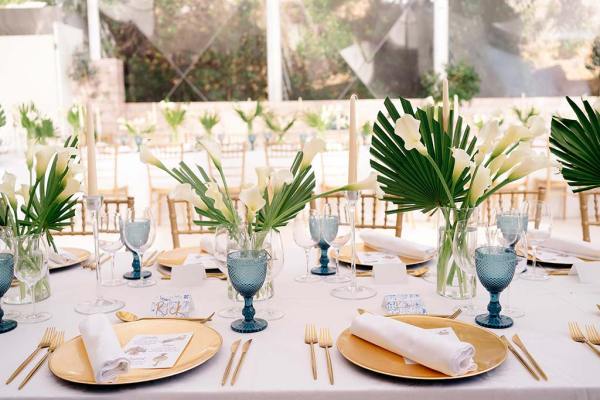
277, 365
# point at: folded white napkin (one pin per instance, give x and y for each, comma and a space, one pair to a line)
395, 245
103, 348
577, 248
441, 353
60, 258
207, 244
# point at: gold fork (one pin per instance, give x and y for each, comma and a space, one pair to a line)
325, 341
578, 336
310, 338
44, 343
593, 335
57, 340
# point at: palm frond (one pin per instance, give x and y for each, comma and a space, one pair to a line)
576, 145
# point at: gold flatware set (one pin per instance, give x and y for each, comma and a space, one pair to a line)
454, 314
522, 360
234, 348
127, 316
578, 336
325, 341
50, 341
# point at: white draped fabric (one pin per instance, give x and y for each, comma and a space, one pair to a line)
277, 365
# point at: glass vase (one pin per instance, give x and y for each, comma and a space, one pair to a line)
452, 282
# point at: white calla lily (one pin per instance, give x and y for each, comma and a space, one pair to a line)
481, 181
72, 187
281, 177
147, 157
63, 156
310, 150
520, 153
29, 153
75, 169
497, 163
7, 187
213, 149
537, 127
262, 175
24, 192
368, 184
43, 155
462, 160
213, 192
485, 139
529, 165
513, 135
253, 200
596, 105
407, 127
184, 192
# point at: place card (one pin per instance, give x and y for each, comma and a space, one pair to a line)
177, 305
156, 351
389, 273
403, 304
588, 272
376, 257
192, 272
552, 256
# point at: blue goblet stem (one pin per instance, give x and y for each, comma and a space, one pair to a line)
248, 311
494, 307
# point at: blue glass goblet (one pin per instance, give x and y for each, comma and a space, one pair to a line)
495, 266
6, 276
247, 272
323, 230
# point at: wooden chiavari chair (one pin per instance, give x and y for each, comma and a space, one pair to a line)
181, 219
585, 198
280, 155
81, 225
371, 212
233, 162
159, 182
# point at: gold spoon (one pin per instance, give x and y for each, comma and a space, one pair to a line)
127, 316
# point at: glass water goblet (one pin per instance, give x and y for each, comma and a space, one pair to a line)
538, 228
467, 237
274, 247
247, 271
305, 239
109, 240
31, 265
139, 233
224, 244
7, 265
495, 266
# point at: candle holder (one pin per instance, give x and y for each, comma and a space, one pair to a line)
100, 304
353, 291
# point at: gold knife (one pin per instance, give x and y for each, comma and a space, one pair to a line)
517, 340
521, 360
234, 348
245, 348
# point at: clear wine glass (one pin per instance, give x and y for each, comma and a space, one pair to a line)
467, 237
31, 265
273, 246
303, 236
109, 240
139, 233
538, 228
337, 241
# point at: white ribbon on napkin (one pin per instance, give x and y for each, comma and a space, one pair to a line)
577, 248
437, 352
395, 245
103, 348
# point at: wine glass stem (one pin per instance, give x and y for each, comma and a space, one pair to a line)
32, 291
141, 257
337, 260
534, 251
112, 267
307, 253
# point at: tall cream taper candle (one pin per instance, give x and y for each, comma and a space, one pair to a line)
353, 143
92, 179
445, 104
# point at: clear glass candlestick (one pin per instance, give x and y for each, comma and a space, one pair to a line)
100, 304
353, 291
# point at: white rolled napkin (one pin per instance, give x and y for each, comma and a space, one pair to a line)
577, 248
395, 245
103, 348
434, 351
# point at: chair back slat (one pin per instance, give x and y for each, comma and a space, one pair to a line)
589, 219
79, 224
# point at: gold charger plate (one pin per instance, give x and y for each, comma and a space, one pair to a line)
70, 361
176, 257
81, 255
490, 352
346, 256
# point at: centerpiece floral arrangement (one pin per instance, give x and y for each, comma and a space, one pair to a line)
75, 118
47, 202
576, 144
209, 120
429, 163
278, 125
248, 117
39, 128
277, 197
174, 114
139, 128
